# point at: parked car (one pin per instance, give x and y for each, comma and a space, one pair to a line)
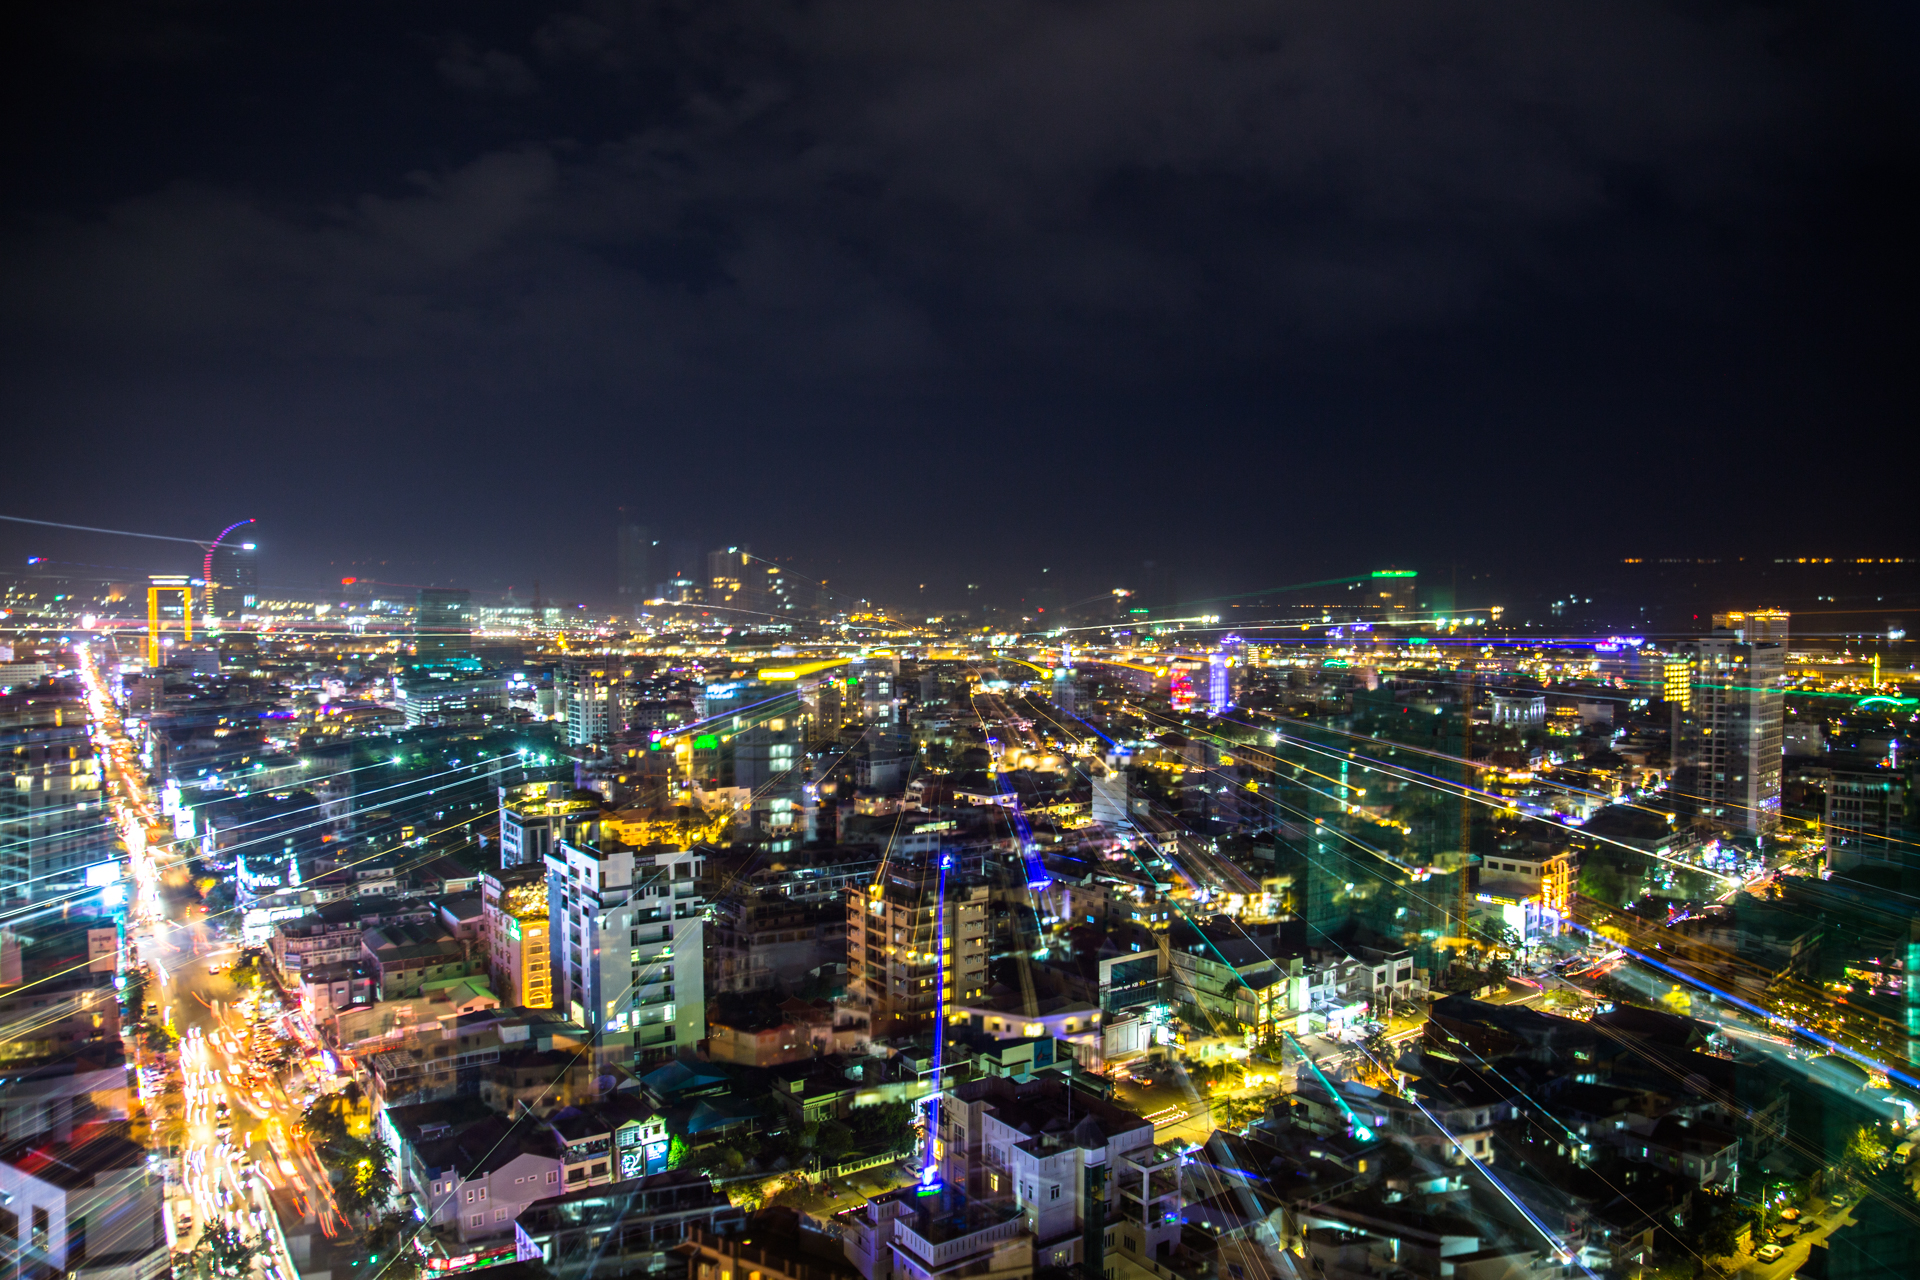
1769, 1253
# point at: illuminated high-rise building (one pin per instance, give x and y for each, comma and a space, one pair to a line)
1393, 591
876, 680
442, 625
629, 950
749, 590
1220, 682
766, 761
1758, 626
1676, 680
1728, 738
536, 816
513, 903
732, 584
593, 689
56, 835
908, 951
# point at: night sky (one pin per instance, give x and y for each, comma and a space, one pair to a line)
951, 292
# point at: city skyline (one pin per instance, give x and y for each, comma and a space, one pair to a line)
1663, 595
1027, 640
448, 308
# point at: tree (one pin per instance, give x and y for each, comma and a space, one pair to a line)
324, 1122
1238, 1113
160, 1039
388, 1245
1866, 1152
885, 1127
832, 1141
1602, 881
226, 1252
1495, 935
1712, 1229
365, 1177
1378, 1056
1612, 988
1671, 1266
135, 994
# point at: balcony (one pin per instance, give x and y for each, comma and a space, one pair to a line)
938, 1236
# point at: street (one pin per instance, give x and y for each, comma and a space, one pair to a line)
236, 1126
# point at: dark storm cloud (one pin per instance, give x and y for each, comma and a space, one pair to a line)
772, 212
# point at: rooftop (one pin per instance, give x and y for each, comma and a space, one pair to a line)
94, 1149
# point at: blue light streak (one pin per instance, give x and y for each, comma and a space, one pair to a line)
930, 1165
1748, 1006
1561, 1249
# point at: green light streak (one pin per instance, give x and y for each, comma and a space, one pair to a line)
1360, 1130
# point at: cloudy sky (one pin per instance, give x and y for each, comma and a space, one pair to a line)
957, 291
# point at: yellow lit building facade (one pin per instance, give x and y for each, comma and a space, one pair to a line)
519, 945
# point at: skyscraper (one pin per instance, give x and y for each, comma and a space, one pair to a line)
640, 562
1158, 593
732, 582
513, 901
1727, 741
1393, 591
765, 766
56, 836
442, 625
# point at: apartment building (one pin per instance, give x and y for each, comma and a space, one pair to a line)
910, 948
629, 952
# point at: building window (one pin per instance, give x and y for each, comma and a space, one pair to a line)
477, 1219
1053, 1193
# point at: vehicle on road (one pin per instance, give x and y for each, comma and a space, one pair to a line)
1769, 1253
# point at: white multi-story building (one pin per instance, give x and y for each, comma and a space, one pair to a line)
628, 952
1081, 1173
594, 692
86, 1205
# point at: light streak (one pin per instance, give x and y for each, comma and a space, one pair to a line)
930, 1166
1748, 1006
1561, 1250
1355, 1124
87, 528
